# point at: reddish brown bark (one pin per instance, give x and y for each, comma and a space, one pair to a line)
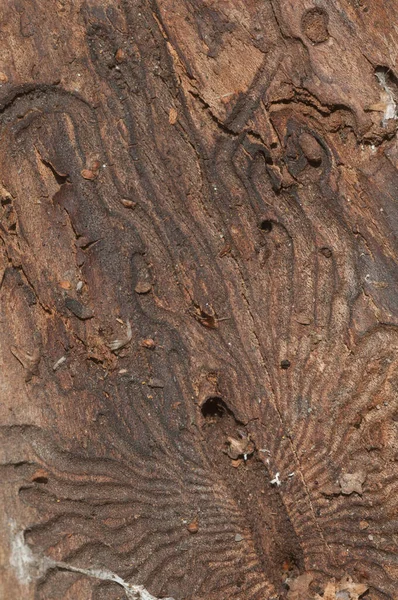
198, 332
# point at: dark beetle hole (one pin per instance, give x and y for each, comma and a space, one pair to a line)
40, 479
214, 407
266, 225
314, 162
326, 252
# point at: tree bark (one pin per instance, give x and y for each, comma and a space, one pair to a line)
198, 332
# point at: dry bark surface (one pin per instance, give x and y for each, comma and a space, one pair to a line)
198, 329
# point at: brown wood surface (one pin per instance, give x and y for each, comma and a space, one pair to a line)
199, 304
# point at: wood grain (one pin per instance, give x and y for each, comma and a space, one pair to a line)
198, 229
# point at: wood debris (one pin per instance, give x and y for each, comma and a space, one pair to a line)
78, 309
148, 343
298, 588
88, 174
352, 482
120, 55
123, 341
143, 287
239, 448
345, 589
128, 203
155, 383
91, 171
193, 527
59, 363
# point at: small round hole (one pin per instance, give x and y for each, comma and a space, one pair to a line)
214, 407
40, 478
266, 225
327, 253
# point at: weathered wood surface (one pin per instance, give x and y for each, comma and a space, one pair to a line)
198, 262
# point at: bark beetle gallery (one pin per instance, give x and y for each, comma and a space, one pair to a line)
198, 299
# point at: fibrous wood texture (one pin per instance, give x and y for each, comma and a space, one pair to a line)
198, 332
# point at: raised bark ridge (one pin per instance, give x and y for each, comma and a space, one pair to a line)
198, 331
